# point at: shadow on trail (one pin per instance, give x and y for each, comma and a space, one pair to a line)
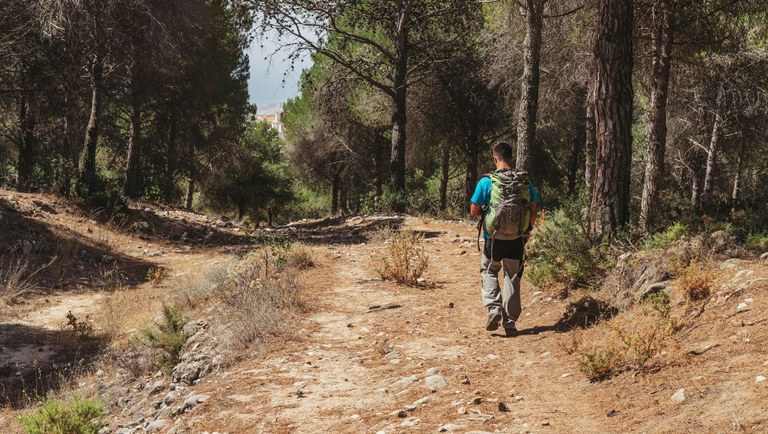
341, 230
582, 313
49, 256
165, 226
36, 360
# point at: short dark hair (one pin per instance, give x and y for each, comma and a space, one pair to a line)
503, 151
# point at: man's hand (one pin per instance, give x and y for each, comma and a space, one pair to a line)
527, 236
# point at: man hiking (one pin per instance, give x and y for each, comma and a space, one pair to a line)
506, 201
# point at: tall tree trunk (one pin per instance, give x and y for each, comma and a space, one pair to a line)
27, 142
737, 176
70, 139
573, 164
695, 189
335, 194
590, 144
714, 145
169, 181
399, 116
397, 158
379, 167
529, 96
444, 173
471, 179
132, 183
657, 114
613, 118
190, 192
344, 197
88, 170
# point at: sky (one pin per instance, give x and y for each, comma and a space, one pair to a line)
266, 87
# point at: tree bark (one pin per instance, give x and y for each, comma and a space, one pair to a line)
190, 192
132, 183
529, 96
399, 115
379, 167
71, 134
445, 168
714, 145
88, 170
590, 144
573, 164
737, 176
335, 194
695, 189
344, 198
169, 181
27, 141
657, 115
397, 158
471, 179
613, 118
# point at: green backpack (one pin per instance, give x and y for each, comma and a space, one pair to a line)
508, 215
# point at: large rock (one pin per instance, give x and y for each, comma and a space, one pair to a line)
436, 382
155, 426
405, 381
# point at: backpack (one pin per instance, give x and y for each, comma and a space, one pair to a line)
508, 215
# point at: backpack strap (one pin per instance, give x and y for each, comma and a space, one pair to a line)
481, 223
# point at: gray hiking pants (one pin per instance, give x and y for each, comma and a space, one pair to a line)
508, 300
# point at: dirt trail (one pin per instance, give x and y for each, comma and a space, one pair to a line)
349, 369
34, 334
346, 369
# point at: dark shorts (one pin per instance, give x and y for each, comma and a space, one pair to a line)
505, 249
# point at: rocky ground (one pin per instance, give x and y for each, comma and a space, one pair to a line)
373, 356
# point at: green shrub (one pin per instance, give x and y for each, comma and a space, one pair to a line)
658, 301
598, 364
168, 337
79, 416
665, 239
757, 241
561, 252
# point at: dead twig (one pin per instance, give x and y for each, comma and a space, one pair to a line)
378, 308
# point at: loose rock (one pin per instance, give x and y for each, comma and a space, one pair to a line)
156, 425
406, 380
436, 382
679, 396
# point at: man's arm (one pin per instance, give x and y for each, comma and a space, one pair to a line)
534, 210
475, 210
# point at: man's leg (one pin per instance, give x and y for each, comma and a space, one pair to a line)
492, 300
511, 295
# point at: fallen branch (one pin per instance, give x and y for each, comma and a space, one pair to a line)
377, 308
703, 350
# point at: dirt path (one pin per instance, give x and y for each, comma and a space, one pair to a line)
354, 371
36, 343
346, 369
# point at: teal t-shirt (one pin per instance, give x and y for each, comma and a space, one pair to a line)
482, 196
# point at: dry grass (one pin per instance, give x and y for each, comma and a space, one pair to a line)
17, 278
696, 281
380, 235
633, 341
406, 261
256, 305
300, 257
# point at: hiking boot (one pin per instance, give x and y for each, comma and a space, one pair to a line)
494, 317
510, 330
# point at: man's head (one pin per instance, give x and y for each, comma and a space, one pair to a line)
503, 155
